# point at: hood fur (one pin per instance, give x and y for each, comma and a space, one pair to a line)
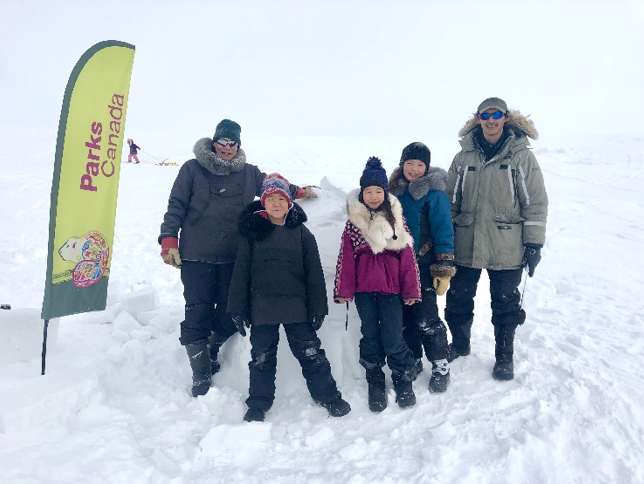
374, 226
434, 179
255, 227
207, 157
522, 125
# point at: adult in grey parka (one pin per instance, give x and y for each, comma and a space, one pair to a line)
499, 206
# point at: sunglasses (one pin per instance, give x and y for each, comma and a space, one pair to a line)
486, 116
226, 142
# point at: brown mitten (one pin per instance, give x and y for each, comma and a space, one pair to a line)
441, 275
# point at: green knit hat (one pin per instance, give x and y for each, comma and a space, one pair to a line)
228, 129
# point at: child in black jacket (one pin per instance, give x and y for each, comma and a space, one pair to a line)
278, 279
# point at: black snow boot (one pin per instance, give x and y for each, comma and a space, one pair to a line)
200, 364
337, 407
439, 380
377, 390
461, 335
214, 343
254, 415
504, 352
454, 352
405, 396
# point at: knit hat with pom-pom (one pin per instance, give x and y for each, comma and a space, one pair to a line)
275, 183
374, 175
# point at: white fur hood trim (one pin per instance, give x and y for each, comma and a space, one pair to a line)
374, 226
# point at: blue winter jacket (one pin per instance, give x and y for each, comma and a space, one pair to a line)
427, 212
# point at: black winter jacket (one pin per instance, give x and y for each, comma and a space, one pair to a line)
278, 275
205, 206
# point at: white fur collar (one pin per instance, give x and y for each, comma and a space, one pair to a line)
374, 226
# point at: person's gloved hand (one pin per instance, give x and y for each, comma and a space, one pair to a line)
441, 284
170, 251
531, 257
240, 321
309, 193
317, 321
442, 272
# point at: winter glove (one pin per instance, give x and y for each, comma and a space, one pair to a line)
308, 191
170, 251
317, 321
531, 257
441, 284
240, 321
442, 272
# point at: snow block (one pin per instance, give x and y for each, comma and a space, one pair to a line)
144, 299
238, 445
21, 334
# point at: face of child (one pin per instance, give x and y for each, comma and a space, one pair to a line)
413, 169
276, 205
373, 197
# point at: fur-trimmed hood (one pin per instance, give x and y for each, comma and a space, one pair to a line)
207, 157
374, 226
521, 125
434, 179
254, 226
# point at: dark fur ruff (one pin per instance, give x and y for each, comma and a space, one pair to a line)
207, 157
255, 227
434, 179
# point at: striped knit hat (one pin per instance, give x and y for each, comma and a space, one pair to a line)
275, 183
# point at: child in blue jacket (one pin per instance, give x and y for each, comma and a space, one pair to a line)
421, 192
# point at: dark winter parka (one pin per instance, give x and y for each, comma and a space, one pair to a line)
278, 275
500, 204
208, 195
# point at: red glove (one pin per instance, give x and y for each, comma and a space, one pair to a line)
170, 251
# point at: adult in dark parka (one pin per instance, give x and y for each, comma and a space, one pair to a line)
199, 235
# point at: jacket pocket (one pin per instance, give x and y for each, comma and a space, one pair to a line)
507, 240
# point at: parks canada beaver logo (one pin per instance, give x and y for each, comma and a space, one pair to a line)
91, 255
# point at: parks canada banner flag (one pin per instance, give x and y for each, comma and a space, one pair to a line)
85, 181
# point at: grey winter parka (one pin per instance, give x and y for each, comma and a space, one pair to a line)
500, 204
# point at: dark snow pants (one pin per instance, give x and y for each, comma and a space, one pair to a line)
422, 326
381, 316
205, 289
505, 301
305, 346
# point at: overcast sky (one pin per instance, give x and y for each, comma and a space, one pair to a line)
329, 68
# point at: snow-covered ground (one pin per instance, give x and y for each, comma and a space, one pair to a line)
114, 405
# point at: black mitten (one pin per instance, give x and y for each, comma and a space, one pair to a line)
317, 321
240, 321
531, 257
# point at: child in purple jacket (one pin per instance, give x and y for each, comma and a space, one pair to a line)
377, 267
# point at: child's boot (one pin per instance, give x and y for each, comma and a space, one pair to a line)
254, 415
405, 396
200, 364
337, 407
439, 381
377, 390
